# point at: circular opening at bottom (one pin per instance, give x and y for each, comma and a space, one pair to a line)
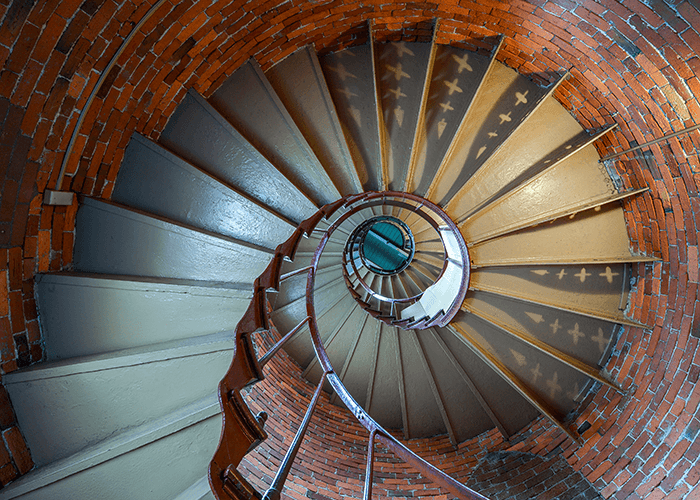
386, 245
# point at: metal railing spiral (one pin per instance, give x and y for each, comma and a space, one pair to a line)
242, 430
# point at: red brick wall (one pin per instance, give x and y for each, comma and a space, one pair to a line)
524, 476
634, 64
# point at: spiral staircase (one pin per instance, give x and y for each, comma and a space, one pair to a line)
426, 232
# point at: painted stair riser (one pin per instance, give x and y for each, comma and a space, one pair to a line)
65, 410
114, 240
79, 317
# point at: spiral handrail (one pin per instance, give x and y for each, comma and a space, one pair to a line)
241, 430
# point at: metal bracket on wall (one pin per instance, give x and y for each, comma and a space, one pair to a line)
59, 198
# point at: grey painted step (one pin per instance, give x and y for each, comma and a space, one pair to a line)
350, 81
84, 314
513, 411
116, 240
155, 180
549, 325
386, 393
423, 416
446, 108
299, 82
144, 462
401, 69
463, 412
200, 135
65, 406
248, 101
557, 384
198, 491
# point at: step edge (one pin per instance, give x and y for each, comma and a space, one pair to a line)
145, 284
113, 447
184, 230
133, 356
211, 180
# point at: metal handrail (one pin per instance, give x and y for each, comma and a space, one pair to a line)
240, 425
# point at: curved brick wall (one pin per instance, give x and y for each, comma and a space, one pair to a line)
633, 64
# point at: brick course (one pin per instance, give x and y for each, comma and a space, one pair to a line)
634, 64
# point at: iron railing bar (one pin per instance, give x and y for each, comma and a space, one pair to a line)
652, 142
273, 350
294, 273
275, 489
369, 471
428, 470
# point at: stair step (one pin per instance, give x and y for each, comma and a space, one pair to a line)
549, 325
462, 408
594, 236
446, 108
544, 193
548, 130
498, 109
83, 314
423, 416
112, 239
299, 82
510, 409
350, 82
552, 381
401, 71
200, 135
147, 458
199, 490
248, 101
596, 290
154, 180
387, 396
70, 404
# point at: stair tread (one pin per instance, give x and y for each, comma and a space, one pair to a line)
497, 111
349, 78
299, 82
155, 180
112, 239
250, 103
84, 400
200, 135
132, 458
446, 108
159, 310
546, 132
401, 69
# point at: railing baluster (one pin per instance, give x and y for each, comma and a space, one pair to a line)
273, 493
369, 472
269, 354
294, 273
